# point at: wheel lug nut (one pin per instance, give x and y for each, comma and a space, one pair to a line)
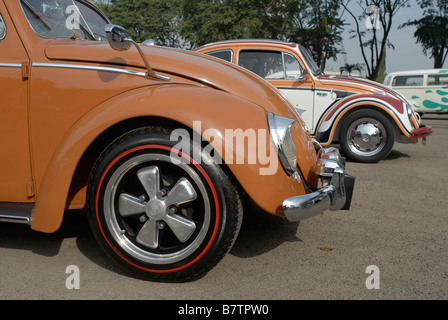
173, 210
143, 198
143, 218
161, 225
162, 193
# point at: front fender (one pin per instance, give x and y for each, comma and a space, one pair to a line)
216, 111
330, 119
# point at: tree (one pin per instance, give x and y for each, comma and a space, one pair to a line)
314, 24
188, 24
350, 67
207, 21
378, 15
432, 30
318, 26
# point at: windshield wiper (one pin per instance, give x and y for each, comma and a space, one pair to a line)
85, 27
87, 31
37, 14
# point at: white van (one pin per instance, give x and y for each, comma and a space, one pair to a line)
426, 90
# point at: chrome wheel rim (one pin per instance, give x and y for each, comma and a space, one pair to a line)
366, 137
157, 212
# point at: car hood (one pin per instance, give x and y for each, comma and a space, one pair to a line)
193, 66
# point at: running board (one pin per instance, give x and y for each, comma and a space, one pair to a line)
16, 212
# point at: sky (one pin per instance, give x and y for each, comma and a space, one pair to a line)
408, 54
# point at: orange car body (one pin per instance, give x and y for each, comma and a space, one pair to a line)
69, 103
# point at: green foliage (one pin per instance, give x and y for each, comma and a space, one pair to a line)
189, 24
317, 26
313, 24
159, 20
432, 30
350, 67
208, 21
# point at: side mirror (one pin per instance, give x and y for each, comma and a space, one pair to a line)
119, 39
304, 76
149, 42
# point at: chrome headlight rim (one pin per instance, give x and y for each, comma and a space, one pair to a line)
280, 129
412, 115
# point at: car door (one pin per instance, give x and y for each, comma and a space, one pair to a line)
15, 162
285, 72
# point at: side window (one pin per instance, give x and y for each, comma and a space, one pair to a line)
293, 69
437, 80
64, 19
270, 64
2, 28
95, 22
222, 54
267, 64
407, 81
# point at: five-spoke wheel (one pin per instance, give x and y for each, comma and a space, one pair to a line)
159, 218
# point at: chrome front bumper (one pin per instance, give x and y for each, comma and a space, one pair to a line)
335, 194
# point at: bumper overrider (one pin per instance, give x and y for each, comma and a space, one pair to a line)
335, 194
422, 131
336, 187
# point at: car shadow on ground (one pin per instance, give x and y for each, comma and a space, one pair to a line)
260, 233
22, 237
395, 154
74, 225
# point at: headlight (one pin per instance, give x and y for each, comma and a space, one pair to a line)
409, 110
411, 113
280, 130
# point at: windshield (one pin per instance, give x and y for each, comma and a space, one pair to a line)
65, 19
306, 54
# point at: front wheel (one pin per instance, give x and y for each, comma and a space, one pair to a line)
162, 220
366, 136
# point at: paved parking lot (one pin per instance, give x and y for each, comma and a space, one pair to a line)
396, 230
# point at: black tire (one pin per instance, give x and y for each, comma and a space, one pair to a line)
366, 136
162, 220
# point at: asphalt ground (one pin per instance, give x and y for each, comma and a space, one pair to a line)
391, 245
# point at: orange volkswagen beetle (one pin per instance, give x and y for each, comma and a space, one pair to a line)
159, 146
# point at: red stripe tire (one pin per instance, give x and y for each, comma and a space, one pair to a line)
162, 219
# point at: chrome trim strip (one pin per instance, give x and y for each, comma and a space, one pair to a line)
11, 65
85, 67
16, 212
14, 219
